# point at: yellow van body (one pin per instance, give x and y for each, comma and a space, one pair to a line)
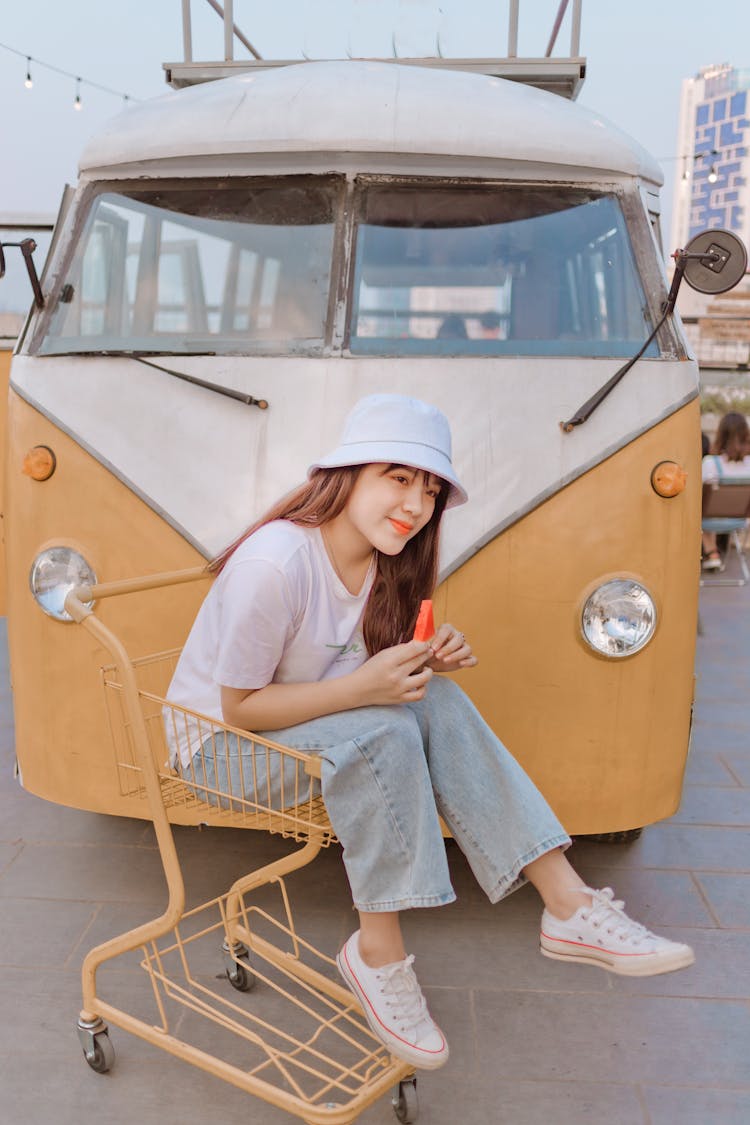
154, 474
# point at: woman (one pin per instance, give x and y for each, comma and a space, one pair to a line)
729, 457
304, 636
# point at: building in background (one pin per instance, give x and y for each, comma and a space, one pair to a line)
712, 189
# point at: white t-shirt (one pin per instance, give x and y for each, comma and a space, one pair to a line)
277, 613
729, 468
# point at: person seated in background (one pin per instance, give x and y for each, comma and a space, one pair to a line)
453, 328
489, 325
729, 457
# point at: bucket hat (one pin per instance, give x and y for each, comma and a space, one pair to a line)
397, 430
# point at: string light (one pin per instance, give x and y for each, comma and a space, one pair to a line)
78, 104
713, 175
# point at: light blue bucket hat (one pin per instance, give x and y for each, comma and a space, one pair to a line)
397, 430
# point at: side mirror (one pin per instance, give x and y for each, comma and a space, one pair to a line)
714, 261
27, 246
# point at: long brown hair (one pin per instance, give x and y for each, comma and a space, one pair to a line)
401, 581
731, 436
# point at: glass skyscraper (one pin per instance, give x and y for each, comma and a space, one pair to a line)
712, 189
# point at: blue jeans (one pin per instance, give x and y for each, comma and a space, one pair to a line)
387, 772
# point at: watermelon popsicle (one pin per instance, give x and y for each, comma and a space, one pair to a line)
425, 627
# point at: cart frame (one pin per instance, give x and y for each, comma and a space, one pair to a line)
341, 1088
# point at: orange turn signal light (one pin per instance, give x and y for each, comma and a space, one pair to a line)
668, 479
39, 463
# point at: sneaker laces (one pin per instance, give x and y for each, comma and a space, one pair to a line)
400, 984
609, 912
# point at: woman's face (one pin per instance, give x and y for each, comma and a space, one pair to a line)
390, 504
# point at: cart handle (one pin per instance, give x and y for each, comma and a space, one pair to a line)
76, 598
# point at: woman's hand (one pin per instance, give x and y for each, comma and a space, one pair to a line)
394, 675
450, 650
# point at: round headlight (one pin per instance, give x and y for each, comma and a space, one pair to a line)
54, 573
619, 618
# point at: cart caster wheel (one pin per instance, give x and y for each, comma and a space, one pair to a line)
239, 973
241, 977
102, 1056
405, 1101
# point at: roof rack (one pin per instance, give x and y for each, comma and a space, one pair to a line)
561, 74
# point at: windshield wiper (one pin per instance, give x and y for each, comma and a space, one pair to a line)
229, 392
712, 262
583, 413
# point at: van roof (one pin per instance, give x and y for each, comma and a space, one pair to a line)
353, 107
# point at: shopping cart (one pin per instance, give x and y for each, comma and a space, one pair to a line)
299, 1040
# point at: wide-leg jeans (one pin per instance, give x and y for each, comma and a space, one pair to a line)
389, 773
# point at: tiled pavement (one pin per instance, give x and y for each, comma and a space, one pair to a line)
533, 1041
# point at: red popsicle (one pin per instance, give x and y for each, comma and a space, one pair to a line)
425, 627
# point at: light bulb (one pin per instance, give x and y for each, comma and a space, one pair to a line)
77, 102
713, 175
29, 81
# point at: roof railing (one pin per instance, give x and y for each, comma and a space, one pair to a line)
561, 74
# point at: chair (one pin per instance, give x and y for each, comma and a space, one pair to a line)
725, 511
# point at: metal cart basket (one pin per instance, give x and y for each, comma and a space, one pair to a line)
299, 1040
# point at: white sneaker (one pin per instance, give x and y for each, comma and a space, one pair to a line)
394, 1007
712, 561
602, 934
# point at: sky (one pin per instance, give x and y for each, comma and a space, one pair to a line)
638, 52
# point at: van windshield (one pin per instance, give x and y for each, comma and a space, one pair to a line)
497, 270
236, 266
246, 266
